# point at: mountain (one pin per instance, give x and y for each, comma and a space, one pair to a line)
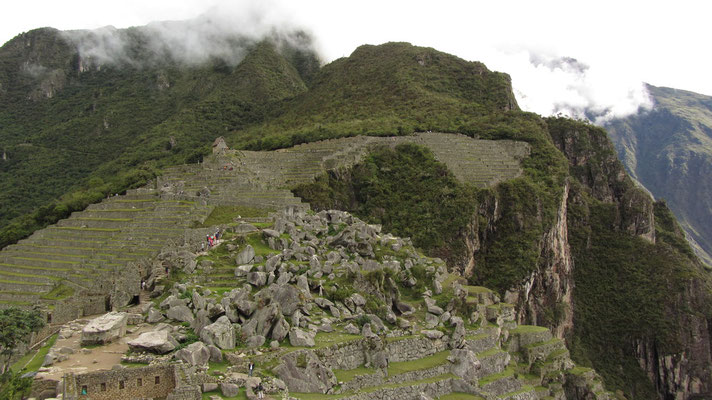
71, 124
668, 149
557, 229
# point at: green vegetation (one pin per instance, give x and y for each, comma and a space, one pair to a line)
227, 214
114, 128
16, 326
346, 375
60, 291
395, 368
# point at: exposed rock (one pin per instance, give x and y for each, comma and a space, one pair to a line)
280, 330
229, 389
304, 372
262, 321
257, 279
180, 313
215, 354
104, 329
220, 333
245, 256
301, 338
159, 342
154, 316
352, 329
255, 341
194, 354
432, 334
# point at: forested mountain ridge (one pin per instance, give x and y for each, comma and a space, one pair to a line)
65, 119
570, 242
669, 150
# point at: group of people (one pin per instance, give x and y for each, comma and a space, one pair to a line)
212, 240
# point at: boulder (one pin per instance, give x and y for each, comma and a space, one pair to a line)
464, 363
257, 278
220, 333
215, 354
245, 256
194, 354
255, 341
352, 329
304, 372
301, 338
262, 321
245, 228
268, 233
159, 342
180, 313
154, 316
432, 334
280, 330
229, 389
104, 329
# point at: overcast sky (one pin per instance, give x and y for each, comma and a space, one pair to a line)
616, 44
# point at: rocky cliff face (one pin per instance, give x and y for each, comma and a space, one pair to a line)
669, 150
678, 365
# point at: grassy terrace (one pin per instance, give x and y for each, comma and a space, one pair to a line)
396, 368
497, 376
320, 396
528, 329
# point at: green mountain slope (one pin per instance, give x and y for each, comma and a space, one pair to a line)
669, 150
63, 121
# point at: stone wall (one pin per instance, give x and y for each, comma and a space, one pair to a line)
413, 348
77, 307
128, 383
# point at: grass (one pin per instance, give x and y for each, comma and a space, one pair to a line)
261, 248
326, 339
320, 396
59, 292
227, 214
460, 396
396, 368
346, 375
509, 371
527, 329
33, 361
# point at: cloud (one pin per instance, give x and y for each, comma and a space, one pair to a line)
224, 32
549, 84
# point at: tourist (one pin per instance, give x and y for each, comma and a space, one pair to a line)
250, 368
260, 391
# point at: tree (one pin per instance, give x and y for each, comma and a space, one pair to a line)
16, 326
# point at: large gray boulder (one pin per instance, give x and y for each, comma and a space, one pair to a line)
104, 329
257, 278
194, 354
180, 313
464, 363
220, 333
301, 338
262, 321
280, 330
304, 372
229, 389
160, 342
154, 316
245, 256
